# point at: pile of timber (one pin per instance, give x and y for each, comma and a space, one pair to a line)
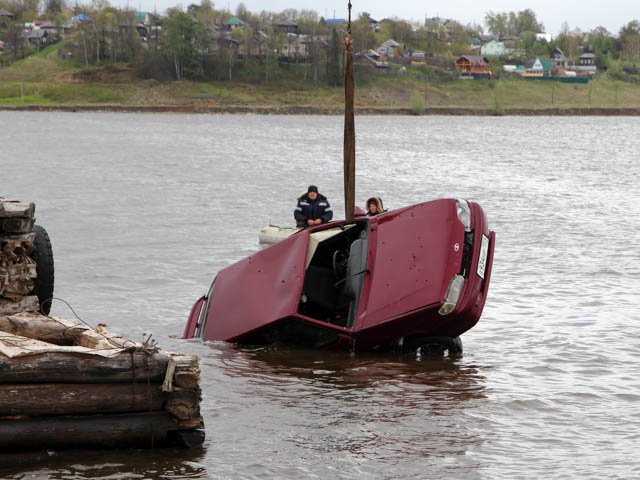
17, 267
64, 384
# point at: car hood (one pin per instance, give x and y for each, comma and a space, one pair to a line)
417, 250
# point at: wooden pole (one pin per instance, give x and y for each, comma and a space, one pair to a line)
349, 129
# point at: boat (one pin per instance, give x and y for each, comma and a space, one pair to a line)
273, 234
411, 279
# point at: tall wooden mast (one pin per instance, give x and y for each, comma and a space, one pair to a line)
349, 129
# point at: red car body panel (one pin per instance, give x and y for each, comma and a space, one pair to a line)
407, 270
258, 290
412, 254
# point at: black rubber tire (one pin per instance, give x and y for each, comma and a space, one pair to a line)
43, 256
433, 346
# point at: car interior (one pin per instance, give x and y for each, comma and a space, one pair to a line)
336, 267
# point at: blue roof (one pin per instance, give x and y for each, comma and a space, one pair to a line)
336, 20
81, 17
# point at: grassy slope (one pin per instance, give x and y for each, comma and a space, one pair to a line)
43, 79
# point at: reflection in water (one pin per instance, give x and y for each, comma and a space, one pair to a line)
105, 464
363, 411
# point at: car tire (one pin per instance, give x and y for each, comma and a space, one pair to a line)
435, 346
42, 254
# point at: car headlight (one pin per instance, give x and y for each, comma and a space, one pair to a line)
453, 294
464, 213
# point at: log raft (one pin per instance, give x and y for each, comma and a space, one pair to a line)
65, 384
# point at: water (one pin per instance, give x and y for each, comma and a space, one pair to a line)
144, 209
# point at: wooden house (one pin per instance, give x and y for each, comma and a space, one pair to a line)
234, 23
390, 49
284, 26
586, 64
539, 69
475, 66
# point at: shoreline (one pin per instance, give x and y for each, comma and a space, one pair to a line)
312, 110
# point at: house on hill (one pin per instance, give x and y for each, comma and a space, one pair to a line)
587, 64
540, 69
285, 26
558, 60
390, 49
233, 23
473, 66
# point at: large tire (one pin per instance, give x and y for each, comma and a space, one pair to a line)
433, 346
43, 256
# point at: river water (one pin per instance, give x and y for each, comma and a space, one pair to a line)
143, 210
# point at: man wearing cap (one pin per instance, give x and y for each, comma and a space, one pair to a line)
313, 209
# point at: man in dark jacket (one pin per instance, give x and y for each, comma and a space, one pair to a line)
313, 208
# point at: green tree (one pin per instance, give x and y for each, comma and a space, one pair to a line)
630, 40
513, 23
333, 60
497, 23
183, 36
363, 36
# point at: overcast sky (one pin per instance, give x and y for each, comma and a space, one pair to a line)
584, 14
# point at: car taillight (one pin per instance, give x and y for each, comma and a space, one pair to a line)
452, 295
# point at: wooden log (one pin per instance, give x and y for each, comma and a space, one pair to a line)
34, 325
75, 399
65, 367
25, 304
16, 225
11, 208
90, 431
184, 405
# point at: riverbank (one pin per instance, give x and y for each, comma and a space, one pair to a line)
45, 83
312, 110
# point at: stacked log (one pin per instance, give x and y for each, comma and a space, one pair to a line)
17, 268
64, 384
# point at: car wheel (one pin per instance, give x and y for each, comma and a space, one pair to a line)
423, 345
42, 254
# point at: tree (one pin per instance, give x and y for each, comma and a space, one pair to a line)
363, 36
513, 23
182, 37
630, 40
53, 7
333, 61
496, 23
603, 44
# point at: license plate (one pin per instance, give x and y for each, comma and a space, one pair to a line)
482, 260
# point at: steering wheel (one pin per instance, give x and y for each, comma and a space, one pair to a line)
339, 262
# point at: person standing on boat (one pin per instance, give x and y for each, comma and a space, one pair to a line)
312, 209
374, 206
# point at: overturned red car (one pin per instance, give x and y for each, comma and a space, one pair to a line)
410, 280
